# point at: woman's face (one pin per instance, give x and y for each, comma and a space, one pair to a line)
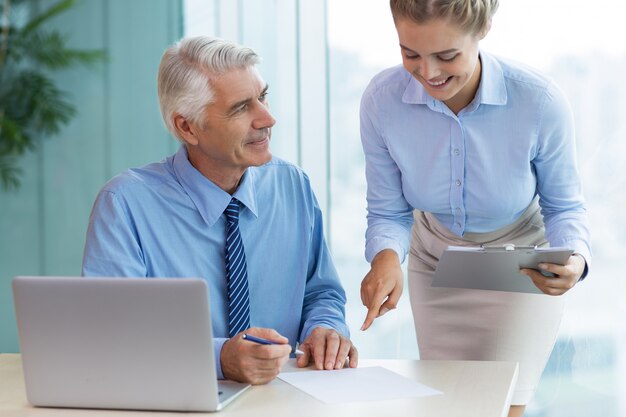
442, 58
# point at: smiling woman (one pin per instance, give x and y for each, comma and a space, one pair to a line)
443, 168
574, 373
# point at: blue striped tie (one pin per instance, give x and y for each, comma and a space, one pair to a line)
236, 273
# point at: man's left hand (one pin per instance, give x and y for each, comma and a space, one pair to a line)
328, 350
564, 279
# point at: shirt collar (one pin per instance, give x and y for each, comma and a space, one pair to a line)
209, 199
492, 88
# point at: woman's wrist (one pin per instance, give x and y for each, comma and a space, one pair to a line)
385, 257
585, 268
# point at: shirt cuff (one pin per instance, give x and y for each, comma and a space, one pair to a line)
581, 248
339, 327
586, 270
375, 245
218, 343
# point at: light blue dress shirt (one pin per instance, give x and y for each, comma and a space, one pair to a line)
476, 171
166, 220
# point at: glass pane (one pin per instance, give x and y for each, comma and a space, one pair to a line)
357, 51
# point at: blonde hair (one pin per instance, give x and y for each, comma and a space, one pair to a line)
185, 72
473, 16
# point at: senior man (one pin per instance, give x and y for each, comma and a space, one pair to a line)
222, 208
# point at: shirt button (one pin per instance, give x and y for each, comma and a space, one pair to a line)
458, 210
457, 225
458, 183
457, 152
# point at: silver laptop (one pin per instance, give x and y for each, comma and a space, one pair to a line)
123, 343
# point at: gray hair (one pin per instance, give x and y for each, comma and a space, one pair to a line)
186, 70
473, 16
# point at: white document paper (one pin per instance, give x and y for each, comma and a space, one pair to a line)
356, 385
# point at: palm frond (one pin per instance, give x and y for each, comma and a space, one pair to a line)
48, 108
49, 13
9, 173
48, 49
13, 138
31, 105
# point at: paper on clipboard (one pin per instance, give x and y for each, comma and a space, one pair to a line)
494, 268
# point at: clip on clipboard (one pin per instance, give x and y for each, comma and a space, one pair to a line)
494, 268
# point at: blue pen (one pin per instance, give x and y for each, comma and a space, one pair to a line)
262, 341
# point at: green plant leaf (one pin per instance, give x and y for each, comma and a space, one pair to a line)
52, 11
48, 49
31, 105
13, 139
48, 106
9, 173
35, 105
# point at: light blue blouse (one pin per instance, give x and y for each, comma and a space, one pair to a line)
476, 171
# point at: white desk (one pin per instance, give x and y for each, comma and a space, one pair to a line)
471, 389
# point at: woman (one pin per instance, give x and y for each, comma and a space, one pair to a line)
463, 148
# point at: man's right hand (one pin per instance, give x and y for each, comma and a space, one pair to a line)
382, 286
246, 361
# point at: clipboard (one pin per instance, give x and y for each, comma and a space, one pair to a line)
494, 268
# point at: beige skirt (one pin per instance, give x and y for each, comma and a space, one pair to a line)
465, 324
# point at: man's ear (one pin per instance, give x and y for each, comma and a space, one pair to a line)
185, 130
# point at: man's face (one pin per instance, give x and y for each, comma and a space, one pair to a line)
235, 130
